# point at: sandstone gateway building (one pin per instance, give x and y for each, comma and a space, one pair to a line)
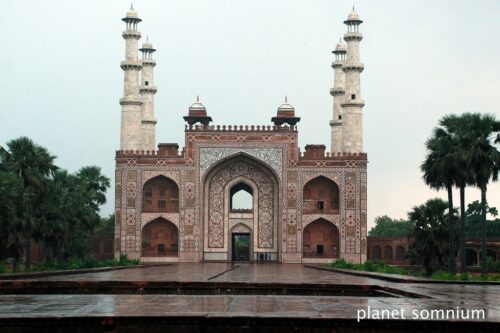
177, 205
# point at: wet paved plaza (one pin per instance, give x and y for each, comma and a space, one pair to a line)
428, 296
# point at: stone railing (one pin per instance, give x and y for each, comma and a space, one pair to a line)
333, 156
146, 153
239, 128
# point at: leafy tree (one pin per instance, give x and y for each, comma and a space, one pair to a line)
387, 227
11, 236
73, 213
33, 165
107, 225
473, 222
45, 204
430, 231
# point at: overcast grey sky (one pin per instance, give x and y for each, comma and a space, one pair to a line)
61, 79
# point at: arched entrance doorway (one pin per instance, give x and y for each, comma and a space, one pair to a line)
240, 175
241, 243
321, 240
160, 238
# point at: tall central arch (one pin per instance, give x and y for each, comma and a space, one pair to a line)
261, 221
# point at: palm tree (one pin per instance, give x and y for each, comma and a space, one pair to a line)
484, 159
430, 232
440, 171
32, 164
457, 127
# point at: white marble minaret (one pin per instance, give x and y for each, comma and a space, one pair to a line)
148, 91
352, 106
338, 94
130, 137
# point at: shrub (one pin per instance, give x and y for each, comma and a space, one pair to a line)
90, 262
3, 267
493, 265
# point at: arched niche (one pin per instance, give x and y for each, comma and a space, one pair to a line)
321, 195
160, 238
376, 253
471, 256
321, 240
217, 185
241, 198
160, 195
400, 252
388, 254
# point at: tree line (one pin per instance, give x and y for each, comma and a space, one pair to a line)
461, 152
45, 204
428, 225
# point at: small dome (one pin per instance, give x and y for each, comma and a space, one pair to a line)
340, 46
286, 106
197, 106
147, 45
353, 16
131, 13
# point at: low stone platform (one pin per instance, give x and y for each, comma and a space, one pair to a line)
179, 310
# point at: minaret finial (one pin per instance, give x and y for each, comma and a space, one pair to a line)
352, 7
197, 98
286, 99
131, 6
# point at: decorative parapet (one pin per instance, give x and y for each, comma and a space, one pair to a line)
239, 128
334, 156
146, 153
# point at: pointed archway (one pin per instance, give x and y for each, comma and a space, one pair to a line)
222, 181
321, 240
160, 238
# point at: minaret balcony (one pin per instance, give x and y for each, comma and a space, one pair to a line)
353, 67
149, 62
131, 101
148, 89
352, 102
335, 91
353, 36
335, 123
131, 64
337, 64
131, 34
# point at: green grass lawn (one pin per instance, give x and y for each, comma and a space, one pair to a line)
73, 263
380, 267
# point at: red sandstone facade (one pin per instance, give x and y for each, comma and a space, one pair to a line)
176, 206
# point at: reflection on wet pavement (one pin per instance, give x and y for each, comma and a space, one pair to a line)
442, 296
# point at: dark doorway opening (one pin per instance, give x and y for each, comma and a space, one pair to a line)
240, 247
